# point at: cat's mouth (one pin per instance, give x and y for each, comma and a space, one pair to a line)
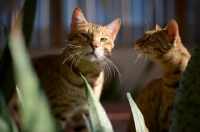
91, 54
144, 50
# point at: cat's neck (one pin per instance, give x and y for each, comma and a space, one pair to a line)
173, 65
175, 60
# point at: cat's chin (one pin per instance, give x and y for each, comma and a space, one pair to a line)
92, 58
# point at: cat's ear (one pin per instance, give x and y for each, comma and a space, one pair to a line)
172, 30
157, 28
77, 18
113, 27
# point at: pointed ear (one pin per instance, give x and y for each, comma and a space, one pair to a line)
113, 27
157, 28
172, 30
77, 18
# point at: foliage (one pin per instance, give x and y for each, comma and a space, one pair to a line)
15, 66
7, 82
137, 116
31, 119
99, 119
186, 114
6, 122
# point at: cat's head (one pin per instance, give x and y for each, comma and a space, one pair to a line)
91, 42
158, 42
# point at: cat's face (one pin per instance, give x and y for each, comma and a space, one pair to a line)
91, 42
157, 42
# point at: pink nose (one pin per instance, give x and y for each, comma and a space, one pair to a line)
94, 46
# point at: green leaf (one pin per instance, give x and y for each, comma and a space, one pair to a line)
137, 116
37, 116
99, 119
186, 112
3, 125
7, 124
87, 123
21, 99
7, 82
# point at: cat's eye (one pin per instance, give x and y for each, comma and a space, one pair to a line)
150, 38
85, 35
103, 39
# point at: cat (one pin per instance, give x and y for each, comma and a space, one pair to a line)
155, 101
87, 51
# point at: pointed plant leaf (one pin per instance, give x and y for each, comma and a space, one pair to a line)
37, 117
137, 116
3, 125
21, 99
7, 124
186, 112
87, 123
99, 119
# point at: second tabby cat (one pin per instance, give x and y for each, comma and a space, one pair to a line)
88, 49
164, 47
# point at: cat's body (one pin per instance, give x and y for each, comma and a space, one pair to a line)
89, 46
63, 84
88, 49
164, 47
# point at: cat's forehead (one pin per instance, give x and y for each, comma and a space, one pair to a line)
91, 25
150, 32
95, 27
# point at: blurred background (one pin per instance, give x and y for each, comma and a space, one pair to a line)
53, 18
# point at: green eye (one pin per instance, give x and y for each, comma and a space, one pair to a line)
85, 35
103, 39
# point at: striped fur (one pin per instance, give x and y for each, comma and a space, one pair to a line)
88, 47
164, 47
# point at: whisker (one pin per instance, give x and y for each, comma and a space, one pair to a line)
107, 69
141, 55
109, 64
63, 48
114, 55
145, 59
72, 64
137, 58
145, 55
67, 58
73, 45
70, 57
78, 61
102, 64
112, 65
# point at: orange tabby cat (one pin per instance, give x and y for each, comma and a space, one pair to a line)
89, 46
164, 47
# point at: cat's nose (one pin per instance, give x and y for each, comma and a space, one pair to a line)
136, 43
94, 46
